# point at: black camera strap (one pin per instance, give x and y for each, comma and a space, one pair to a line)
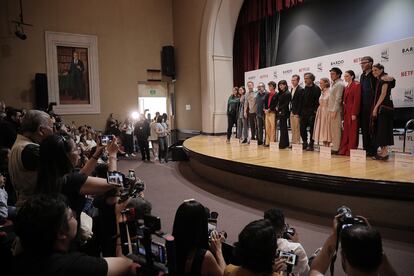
334, 256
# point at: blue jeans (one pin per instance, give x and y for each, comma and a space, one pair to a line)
163, 148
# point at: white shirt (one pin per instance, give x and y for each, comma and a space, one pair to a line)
294, 90
302, 263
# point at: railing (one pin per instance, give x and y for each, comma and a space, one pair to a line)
405, 131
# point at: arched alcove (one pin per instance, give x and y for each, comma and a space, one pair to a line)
216, 61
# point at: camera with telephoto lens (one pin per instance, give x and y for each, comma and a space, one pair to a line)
347, 219
133, 186
288, 232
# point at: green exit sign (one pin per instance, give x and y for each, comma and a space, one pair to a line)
153, 92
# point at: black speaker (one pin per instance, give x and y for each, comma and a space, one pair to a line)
167, 61
41, 91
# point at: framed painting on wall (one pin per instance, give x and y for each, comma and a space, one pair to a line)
72, 71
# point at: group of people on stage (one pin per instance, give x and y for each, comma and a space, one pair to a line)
333, 111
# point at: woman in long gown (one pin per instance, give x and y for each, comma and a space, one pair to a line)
322, 130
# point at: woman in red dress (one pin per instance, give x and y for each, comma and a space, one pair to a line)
352, 101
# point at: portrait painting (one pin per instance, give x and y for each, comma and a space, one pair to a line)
72, 73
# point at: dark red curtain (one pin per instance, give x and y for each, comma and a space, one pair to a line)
246, 44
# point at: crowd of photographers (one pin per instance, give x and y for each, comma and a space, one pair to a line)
66, 210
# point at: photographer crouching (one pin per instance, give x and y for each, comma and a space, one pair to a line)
361, 248
288, 244
46, 227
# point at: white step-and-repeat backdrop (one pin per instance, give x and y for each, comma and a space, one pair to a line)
397, 58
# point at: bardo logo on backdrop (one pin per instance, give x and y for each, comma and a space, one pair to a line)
251, 78
385, 55
408, 50
319, 67
337, 62
287, 72
409, 73
264, 76
275, 74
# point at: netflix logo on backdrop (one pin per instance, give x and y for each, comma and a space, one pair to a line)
408, 73
357, 60
304, 69
264, 76
385, 55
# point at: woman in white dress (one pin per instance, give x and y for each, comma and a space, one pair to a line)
322, 130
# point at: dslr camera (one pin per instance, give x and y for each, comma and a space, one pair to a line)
347, 219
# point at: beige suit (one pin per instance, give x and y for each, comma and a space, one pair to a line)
335, 108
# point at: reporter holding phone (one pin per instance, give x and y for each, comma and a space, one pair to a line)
56, 172
195, 254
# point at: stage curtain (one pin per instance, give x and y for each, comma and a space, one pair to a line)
256, 35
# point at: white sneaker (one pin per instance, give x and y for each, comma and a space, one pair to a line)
127, 155
133, 155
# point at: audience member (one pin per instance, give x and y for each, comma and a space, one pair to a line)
232, 107
322, 128
154, 138
127, 137
270, 106
162, 140
9, 127
310, 103
361, 252
142, 132
190, 230
335, 107
24, 156
283, 102
295, 107
277, 218
352, 106
46, 227
256, 251
250, 109
260, 103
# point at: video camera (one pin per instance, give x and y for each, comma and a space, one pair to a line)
288, 232
154, 256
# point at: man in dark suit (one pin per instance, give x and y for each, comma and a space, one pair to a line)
309, 106
77, 84
295, 106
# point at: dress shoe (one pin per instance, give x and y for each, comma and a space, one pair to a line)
382, 158
266, 146
309, 148
334, 152
304, 146
244, 141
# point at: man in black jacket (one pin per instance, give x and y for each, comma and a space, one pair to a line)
9, 127
309, 106
142, 132
270, 104
295, 106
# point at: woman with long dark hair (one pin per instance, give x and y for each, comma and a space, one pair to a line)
233, 103
242, 125
194, 254
352, 104
383, 113
58, 157
284, 98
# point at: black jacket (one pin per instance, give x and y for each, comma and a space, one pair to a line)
296, 102
273, 102
283, 104
310, 100
142, 130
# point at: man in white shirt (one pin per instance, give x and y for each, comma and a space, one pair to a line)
291, 245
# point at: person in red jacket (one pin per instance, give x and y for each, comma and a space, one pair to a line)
352, 102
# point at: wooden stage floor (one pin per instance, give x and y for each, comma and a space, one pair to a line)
308, 162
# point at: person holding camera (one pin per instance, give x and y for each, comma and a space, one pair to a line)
58, 158
196, 253
256, 250
361, 249
288, 241
46, 227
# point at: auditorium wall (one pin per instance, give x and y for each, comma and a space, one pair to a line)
130, 36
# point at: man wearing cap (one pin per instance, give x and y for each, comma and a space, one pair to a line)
335, 107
